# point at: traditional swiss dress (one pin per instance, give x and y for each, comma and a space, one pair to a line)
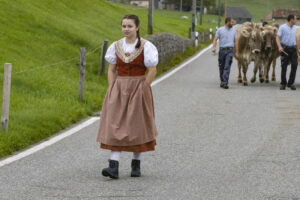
127, 117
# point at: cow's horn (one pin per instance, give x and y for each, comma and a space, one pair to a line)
245, 33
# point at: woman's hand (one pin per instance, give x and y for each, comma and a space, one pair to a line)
111, 74
151, 74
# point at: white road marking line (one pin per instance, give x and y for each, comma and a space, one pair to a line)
65, 134
47, 143
184, 64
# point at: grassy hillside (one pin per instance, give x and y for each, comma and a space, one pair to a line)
260, 8
35, 34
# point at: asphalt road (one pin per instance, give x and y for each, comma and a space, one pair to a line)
241, 143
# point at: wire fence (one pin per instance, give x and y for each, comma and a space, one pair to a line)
82, 65
57, 63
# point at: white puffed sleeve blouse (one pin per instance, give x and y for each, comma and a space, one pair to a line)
150, 53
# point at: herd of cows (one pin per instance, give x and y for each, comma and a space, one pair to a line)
257, 43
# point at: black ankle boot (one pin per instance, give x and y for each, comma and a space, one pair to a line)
135, 168
113, 170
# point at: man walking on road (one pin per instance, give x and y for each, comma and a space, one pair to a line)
286, 42
227, 35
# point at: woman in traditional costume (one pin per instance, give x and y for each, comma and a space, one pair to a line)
127, 118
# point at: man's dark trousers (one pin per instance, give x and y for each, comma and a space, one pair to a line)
293, 58
225, 61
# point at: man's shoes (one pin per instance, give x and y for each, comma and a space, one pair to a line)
225, 86
292, 87
282, 87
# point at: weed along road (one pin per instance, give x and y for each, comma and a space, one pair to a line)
240, 143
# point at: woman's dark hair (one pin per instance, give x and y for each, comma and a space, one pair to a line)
137, 23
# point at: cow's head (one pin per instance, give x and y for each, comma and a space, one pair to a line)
269, 35
255, 41
248, 24
245, 33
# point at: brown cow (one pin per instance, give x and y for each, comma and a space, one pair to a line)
249, 42
269, 54
242, 40
269, 51
257, 37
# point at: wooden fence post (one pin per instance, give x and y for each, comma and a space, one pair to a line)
6, 96
150, 16
81, 73
102, 59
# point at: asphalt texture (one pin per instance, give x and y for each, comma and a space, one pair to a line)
240, 143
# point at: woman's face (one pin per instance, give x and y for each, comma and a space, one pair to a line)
129, 28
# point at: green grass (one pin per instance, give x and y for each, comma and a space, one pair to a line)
37, 33
261, 8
